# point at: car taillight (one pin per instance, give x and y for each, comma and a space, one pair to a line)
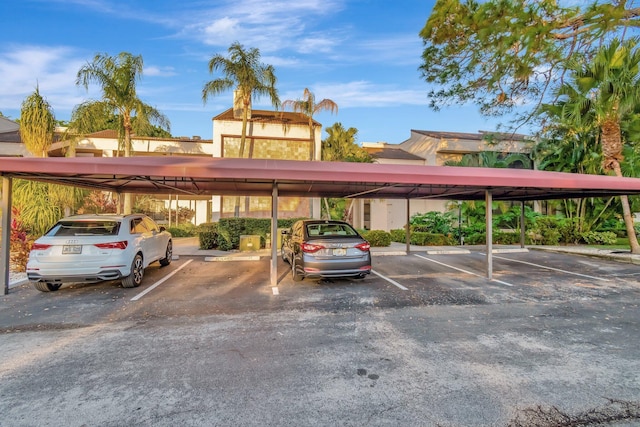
39, 247
310, 247
112, 245
364, 247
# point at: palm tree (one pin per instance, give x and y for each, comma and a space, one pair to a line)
340, 146
599, 94
37, 124
308, 107
117, 77
243, 69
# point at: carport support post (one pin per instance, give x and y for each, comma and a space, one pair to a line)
274, 234
5, 249
407, 231
489, 239
522, 225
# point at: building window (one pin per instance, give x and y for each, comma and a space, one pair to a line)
258, 148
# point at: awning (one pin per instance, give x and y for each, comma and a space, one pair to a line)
225, 176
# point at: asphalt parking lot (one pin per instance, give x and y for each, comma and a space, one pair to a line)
425, 341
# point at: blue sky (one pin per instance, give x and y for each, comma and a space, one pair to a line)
362, 54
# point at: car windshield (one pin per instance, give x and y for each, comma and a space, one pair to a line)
85, 228
323, 229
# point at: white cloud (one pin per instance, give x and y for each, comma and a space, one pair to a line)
270, 26
156, 71
367, 94
52, 69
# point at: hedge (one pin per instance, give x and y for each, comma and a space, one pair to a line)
378, 238
225, 234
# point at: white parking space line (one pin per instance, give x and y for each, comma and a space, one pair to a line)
159, 282
554, 269
462, 270
393, 282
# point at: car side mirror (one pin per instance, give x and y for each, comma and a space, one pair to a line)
162, 229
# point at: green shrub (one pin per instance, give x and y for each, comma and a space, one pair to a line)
232, 228
600, 238
506, 237
475, 238
569, 230
429, 239
432, 222
183, 230
208, 239
398, 235
378, 238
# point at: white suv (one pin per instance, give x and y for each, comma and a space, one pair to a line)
92, 248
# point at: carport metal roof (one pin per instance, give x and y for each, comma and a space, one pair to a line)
282, 178
226, 176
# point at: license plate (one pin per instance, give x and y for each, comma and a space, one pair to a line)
72, 249
340, 252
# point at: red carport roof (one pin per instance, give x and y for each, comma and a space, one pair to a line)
226, 176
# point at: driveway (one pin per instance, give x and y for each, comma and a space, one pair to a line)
212, 343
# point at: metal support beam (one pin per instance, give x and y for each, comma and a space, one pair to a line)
274, 234
407, 230
5, 243
522, 225
489, 238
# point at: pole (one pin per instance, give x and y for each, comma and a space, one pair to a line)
522, 225
5, 248
407, 232
274, 234
489, 238
460, 223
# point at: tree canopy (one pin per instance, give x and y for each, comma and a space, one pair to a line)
117, 77
340, 146
500, 54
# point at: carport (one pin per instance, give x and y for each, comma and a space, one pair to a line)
265, 177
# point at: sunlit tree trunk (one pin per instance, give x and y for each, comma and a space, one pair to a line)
612, 151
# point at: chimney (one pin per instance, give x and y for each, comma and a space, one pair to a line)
237, 105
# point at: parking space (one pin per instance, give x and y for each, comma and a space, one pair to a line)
193, 286
426, 340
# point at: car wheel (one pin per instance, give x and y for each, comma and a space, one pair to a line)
284, 256
47, 287
295, 273
137, 271
167, 255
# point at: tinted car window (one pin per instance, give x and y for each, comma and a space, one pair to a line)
85, 228
151, 226
137, 226
330, 230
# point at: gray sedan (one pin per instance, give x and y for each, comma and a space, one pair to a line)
323, 248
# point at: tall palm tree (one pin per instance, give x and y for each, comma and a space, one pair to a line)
117, 77
37, 124
308, 107
599, 94
242, 69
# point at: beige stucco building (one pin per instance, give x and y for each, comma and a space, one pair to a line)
270, 135
431, 148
